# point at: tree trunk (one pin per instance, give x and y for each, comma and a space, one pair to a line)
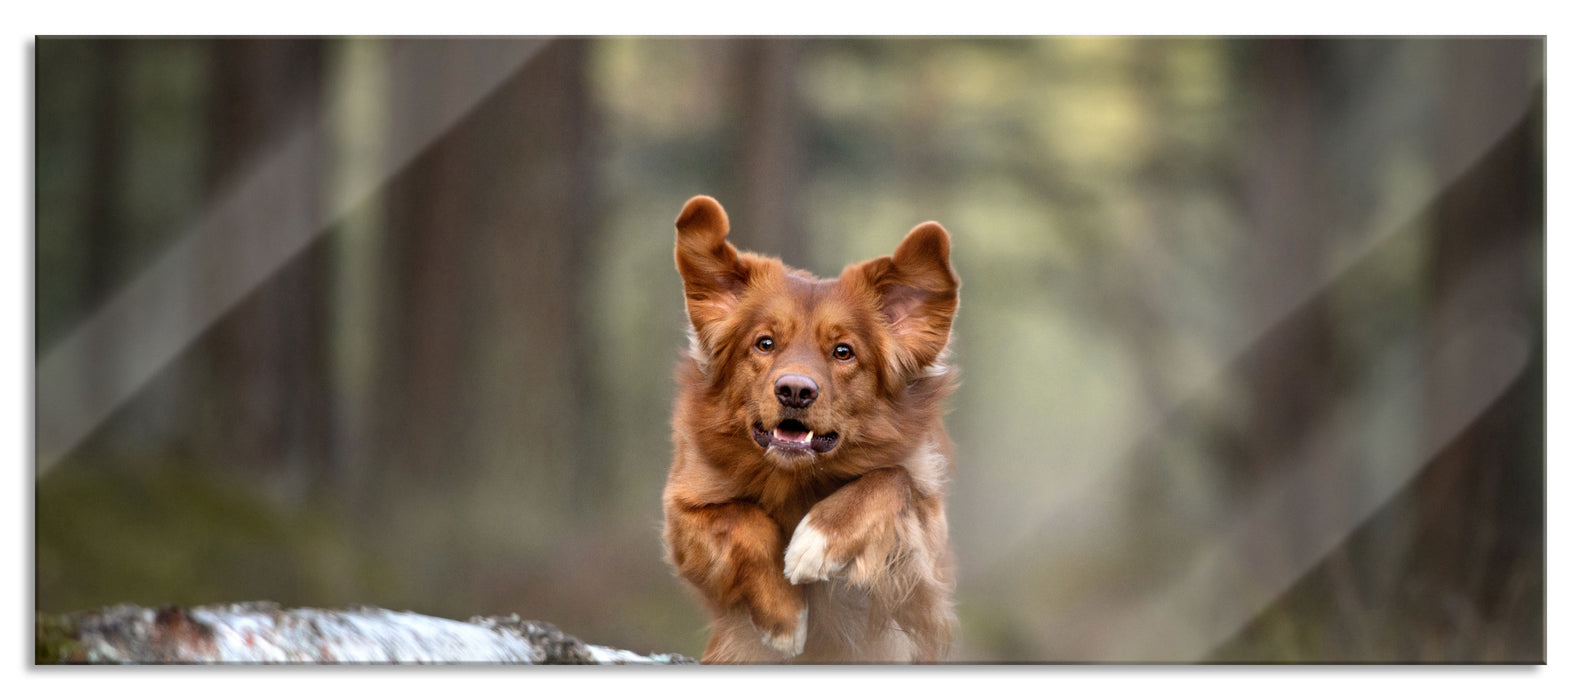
269, 355
766, 214
1480, 540
486, 231
1293, 377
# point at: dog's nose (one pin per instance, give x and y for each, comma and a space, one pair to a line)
796, 390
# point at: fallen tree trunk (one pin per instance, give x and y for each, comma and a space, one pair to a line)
264, 633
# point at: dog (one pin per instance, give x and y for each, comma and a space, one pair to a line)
805, 503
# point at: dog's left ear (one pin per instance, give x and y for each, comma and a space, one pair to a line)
917, 292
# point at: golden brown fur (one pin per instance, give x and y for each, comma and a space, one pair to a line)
805, 502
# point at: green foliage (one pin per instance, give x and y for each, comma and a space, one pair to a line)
157, 534
53, 642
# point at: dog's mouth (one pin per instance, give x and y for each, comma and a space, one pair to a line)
793, 437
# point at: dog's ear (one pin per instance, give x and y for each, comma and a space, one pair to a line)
917, 292
713, 274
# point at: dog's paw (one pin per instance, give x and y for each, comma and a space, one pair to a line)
789, 642
807, 556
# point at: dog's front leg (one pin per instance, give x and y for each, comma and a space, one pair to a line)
857, 530
731, 553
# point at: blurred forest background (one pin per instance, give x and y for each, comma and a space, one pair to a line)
1252, 330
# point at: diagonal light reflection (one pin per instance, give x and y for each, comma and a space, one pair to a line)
223, 257
1458, 164
1218, 592
1190, 617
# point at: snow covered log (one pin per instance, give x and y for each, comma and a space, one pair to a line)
263, 633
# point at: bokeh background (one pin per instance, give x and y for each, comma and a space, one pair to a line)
1251, 335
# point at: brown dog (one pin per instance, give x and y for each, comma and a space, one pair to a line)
806, 500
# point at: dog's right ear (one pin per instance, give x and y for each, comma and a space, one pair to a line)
713, 274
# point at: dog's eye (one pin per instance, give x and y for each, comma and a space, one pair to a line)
765, 344
842, 352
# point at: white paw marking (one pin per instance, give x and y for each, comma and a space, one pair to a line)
807, 556
790, 644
